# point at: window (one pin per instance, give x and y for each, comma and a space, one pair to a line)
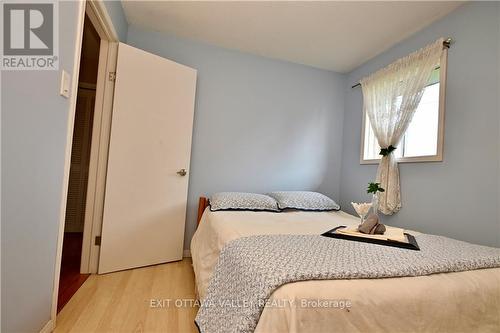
423, 140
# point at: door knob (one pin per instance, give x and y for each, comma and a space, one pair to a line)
182, 172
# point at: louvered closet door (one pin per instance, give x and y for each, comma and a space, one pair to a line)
146, 194
80, 156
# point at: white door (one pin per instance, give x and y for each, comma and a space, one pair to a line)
146, 193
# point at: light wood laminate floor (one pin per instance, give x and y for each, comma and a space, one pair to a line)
134, 301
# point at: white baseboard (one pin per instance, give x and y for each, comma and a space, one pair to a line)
48, 328
187, 253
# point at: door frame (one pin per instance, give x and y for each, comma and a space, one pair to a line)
100, 138
102, 22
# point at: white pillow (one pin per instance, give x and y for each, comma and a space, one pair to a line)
242, 201
304, 200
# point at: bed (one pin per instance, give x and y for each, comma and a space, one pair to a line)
459, 302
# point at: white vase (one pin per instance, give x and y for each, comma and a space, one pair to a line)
374, 208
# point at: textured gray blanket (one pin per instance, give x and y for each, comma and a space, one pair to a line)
251, 268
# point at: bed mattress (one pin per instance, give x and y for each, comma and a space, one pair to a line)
458, 302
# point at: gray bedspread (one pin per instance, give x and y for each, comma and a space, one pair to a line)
251, 268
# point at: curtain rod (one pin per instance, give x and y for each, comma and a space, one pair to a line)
448, 41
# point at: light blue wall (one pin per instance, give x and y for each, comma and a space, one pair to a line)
115, 11
260, 124
34, 128
458, 197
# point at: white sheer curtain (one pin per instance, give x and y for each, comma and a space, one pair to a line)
391, 96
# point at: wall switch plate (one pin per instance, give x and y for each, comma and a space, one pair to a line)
65, 84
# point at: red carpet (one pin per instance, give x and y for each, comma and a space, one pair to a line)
70, 279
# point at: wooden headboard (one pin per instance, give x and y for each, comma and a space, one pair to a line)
202, 204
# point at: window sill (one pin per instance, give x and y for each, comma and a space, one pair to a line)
419, 159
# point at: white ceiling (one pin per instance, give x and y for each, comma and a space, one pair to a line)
337, 36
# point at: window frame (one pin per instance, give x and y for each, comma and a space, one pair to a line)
441, 119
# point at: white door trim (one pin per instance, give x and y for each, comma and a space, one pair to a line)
100, 136
98, 158
105, 27
101, 20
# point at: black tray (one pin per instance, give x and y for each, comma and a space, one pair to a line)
411, 245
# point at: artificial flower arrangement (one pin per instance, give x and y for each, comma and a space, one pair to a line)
370, 224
